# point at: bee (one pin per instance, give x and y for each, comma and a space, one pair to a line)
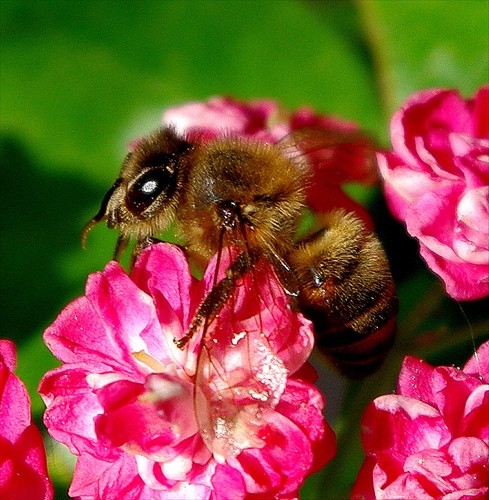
229, 192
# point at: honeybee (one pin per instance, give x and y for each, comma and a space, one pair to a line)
250, 196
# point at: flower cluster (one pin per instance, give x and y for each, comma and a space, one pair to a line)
138, 411
233, 413
431, 439
437, 182
23, 471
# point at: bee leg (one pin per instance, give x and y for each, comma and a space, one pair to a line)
138, 248
217, 297
120, 247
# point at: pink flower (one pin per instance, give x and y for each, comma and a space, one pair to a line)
123, 401
23, 470
261, 119
431, 439
336, 149
437, 181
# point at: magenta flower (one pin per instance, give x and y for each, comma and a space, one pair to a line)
229, 416
260, 119
23, 469
336, 149
431, 439
437, 182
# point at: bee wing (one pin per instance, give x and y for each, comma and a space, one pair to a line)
284, 272
335, 155
246, 354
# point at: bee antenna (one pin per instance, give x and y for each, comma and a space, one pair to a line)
101, 214
86, 230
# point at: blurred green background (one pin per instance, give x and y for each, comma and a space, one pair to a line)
79, 79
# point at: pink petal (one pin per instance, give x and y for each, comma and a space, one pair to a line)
415, 379
303, 404
363, 489
71, 409
423, 112
475, 421
23, 468
281, 464
113, 480
7, 354
463, 281
478, 364
404, 486
15, 412
433, 467
162, 271
222, 115
471, 239
106, 326
472, 494
471, 157
432, 221
481, 112
436, 181
452, 387
163, 409
396, 426
405, 185
469, 453
228, 483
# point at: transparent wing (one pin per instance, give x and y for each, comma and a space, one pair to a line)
336, 156
247, 352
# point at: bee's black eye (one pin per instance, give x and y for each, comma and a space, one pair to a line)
148, 187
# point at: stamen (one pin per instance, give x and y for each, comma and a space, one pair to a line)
149, 361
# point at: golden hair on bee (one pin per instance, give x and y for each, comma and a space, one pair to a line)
246, 188
346, 289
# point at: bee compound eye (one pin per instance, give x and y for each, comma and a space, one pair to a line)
147, 188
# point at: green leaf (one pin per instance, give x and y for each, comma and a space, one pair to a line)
427, 43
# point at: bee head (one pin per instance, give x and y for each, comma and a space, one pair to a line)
144, 197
